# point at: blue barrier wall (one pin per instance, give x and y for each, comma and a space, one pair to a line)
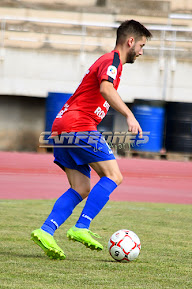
54, 103
151, 116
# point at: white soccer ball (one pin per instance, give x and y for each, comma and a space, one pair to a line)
124, 246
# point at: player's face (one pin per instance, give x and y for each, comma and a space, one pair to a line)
135, 50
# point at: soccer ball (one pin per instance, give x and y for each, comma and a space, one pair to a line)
124, 246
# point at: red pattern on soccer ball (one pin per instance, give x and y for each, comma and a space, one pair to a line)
118, 247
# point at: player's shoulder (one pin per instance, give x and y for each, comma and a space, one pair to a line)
110, 55
108, 58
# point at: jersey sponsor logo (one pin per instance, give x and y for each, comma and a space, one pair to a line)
112, 71
99, 112
106, 105
60, 114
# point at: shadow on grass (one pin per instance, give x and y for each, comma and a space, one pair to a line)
43, 256
11, 254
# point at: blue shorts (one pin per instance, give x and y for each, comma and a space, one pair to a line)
75, 150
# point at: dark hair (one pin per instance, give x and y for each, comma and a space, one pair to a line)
131, 28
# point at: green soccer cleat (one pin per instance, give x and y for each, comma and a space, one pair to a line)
84, 236
48, 244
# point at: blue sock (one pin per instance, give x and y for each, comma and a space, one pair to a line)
62, 209
96, 200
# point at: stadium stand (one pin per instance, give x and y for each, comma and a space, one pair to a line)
61, 25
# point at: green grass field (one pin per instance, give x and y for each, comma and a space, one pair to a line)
164, 261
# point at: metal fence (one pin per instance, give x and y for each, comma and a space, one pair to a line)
57, 33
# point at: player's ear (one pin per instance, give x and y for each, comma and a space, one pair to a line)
130, 41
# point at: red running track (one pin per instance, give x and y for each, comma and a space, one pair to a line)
35, 176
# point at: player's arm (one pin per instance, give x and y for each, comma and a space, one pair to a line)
113, 98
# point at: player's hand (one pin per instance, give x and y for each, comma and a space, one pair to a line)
133, 126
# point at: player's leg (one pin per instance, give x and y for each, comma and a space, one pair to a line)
62, 209
110, 177
109, 169
78, 182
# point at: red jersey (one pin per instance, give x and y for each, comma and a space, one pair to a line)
86, 108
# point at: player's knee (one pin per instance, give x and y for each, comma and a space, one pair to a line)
83, 190
117, 178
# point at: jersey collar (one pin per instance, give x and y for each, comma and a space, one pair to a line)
115, 50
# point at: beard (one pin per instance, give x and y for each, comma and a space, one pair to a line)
131, 56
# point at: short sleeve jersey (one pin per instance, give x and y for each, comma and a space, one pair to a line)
87, 107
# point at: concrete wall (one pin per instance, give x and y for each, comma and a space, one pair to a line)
22, 119
181, 5
27, 76
34, 73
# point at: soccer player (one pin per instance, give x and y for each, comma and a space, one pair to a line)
84, 147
